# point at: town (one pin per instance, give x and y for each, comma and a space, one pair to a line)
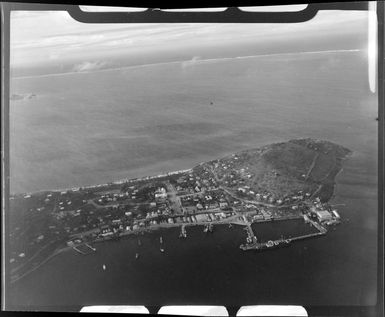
226, 191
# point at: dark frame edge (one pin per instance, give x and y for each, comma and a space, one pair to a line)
4, 102
369, 311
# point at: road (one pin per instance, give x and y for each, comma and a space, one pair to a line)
311, 166
176, 204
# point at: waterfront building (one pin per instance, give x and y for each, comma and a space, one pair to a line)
323, 215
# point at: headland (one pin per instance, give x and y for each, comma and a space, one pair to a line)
281, 181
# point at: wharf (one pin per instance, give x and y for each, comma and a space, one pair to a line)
84, 249
272, 244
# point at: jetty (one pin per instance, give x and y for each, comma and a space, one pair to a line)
183, 233
84, 249
253, 244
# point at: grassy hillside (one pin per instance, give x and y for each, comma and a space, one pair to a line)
284, 169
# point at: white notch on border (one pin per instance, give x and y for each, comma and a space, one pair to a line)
372, 45
221, 9
272, 310
276, 8
186, 310
110, 9
115, 309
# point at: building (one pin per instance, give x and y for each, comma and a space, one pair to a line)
161, 193
335, 213
323, 215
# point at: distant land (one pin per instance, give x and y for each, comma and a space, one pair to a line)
281, 181
16, 97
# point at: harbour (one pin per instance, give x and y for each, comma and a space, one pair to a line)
200, 253
253, 244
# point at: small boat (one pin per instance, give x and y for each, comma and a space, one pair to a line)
206, 228
183, 233
161, 250
161, 239
230, 225
136, 256
104, 267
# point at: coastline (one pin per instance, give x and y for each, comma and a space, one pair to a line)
116, 182
337, 168
149, 177
153, 228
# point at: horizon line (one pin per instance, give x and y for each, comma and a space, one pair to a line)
187, 63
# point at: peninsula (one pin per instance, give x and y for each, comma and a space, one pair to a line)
288, 180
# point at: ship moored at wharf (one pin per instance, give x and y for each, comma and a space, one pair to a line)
269, 245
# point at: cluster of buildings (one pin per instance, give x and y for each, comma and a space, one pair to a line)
109, 198
208, 201
267, 197
323, 214
196, 182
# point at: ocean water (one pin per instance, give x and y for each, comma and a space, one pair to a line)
97, 127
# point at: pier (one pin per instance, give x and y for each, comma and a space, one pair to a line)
84, 249
183, 233
251, 238
252, 243
306, 236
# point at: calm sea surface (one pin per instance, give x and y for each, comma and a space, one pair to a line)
92, 128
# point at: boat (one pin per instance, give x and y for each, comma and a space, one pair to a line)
161, 250
104, 267
211, 228
230, 225
160, 239
273, 244
136, 256
183, 233
269, 245
206, 228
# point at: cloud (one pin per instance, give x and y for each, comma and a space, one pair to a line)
54, 36
89, 66
191, 62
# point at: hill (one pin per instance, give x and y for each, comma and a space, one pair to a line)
301, 166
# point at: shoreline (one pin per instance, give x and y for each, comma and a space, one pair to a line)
143, 231
115, 182
232, 219
149, 177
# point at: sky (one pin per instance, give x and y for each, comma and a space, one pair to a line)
54, 37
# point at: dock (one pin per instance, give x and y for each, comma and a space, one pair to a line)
77, 250
183, 233
84, 249
252, 243
251, 238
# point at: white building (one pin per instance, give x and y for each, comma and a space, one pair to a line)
161, 193
323, 215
